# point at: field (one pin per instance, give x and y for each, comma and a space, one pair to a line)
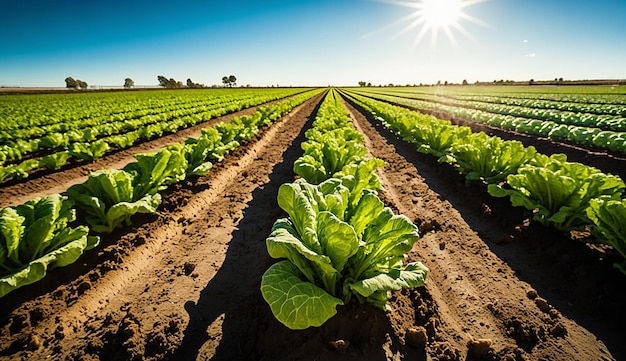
183, 283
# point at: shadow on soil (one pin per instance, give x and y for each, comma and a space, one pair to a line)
577, 280
232, 321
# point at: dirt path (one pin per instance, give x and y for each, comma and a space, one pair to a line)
481, 276
44, 182
184, 284
606, 161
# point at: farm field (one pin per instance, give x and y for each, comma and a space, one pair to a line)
184, 283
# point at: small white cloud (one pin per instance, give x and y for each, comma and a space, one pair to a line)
531, 55
524, 41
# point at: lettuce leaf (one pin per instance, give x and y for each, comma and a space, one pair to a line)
109, 198
36, 235
335, 253
557, 191
609, 221
490, 159
296, 303
154, 172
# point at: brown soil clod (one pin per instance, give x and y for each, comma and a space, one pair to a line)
480, 348
416, 337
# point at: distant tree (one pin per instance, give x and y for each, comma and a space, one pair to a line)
75, 83
362, 83
464, 81
531, 82
445, 83
175, 84
163, 81
169, 83
225, 80
438, 82
232, 80
129, 83
71, 82
191, 84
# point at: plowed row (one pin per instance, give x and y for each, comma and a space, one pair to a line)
184, 284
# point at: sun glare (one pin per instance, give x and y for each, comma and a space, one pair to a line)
435, 16
440, 13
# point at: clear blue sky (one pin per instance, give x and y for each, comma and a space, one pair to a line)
287, 42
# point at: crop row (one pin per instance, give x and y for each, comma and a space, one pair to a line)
339, 242
560, 194
46, 111
614, 141
92, 142
601, 105
42, 232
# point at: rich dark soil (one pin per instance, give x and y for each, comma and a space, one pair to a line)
184, 284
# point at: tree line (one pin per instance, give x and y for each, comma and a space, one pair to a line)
171, 83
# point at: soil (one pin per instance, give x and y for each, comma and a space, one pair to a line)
184, 284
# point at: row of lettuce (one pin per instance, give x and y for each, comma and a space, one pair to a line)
555, 104
339, 242
605, 132
52, 146
564, 195
43, 232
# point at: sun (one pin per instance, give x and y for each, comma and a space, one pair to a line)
439, 14
435, 16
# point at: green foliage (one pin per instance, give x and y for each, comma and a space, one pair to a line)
154, 172
489, 159
89, 151
558, 192
196, 152
54, 161
110, 199
55, 141
332, 144
335, 253
36, 235
609, 221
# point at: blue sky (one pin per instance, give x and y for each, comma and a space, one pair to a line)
286, 42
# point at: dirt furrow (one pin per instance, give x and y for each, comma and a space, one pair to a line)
479, 296
184, 284
160, 296
45, 182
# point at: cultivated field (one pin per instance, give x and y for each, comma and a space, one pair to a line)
178, 275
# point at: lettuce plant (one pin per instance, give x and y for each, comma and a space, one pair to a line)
558, 192
36, 235
54, 161
489, 159
334, 253
196, 153
89, 151
154, 172
110, 198
609, 225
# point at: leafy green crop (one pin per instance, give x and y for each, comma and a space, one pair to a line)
154, 172
36, 235
109, 197
54, 161
609, 220
89, 151
559, 192
335, 253
490, 159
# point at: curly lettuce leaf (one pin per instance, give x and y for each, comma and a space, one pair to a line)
296, 303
